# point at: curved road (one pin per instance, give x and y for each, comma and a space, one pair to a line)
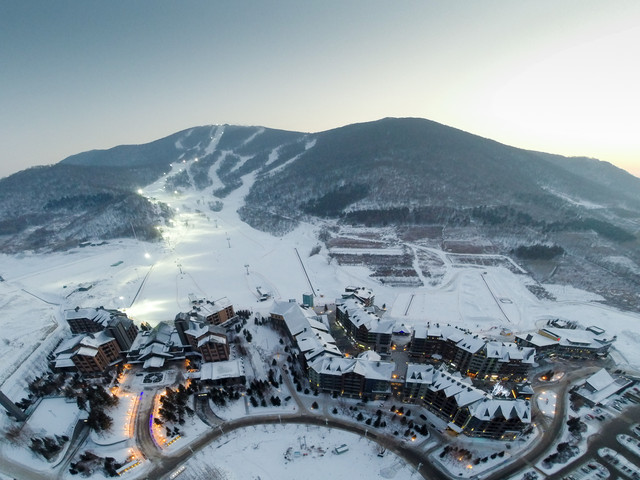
167, 464
418, 459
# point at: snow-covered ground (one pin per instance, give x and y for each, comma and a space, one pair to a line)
547, 400
215, 255
271, 452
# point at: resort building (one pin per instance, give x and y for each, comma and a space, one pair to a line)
367, 329
88, 354
209, 341
93, 320
465, 408
153, 348
212, 312
601, 386
577, 343
308, 334
472, 355
363, 376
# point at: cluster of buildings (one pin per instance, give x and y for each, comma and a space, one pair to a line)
465, 408
471, 354
101, 339
104, 338
446, 359
362, 324
445, 389
327, 368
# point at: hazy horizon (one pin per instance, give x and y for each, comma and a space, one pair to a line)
557, 77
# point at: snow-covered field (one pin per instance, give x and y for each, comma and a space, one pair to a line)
215, 255
271, 452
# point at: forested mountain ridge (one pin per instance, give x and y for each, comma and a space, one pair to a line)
393, 171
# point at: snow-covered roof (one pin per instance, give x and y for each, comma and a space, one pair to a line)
419, 373
155, 349
503, 351
204, 308
370, 355
601, 385
360, 292
539, 341
480, 403
578, 337
221, 370
163, 334
87, 351
212, 339
600, 380
153, 362
68, 345
375, 370
64, 360
295, 317
311, 335
318, 325
360, 316
98, 315
201, 329
488, 409
508, 351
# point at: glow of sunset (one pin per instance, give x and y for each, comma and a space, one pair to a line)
558, 76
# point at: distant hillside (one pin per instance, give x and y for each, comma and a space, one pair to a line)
392, 172
373, 172
92, 196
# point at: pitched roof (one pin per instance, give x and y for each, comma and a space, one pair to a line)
481, 404
361, 317
600, 380
374, 370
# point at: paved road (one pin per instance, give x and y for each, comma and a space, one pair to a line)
145, 442
204, 412
412, 454
551, 429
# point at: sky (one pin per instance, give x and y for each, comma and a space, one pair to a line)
559, 76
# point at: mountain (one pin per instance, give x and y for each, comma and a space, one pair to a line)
402, 173
392, 164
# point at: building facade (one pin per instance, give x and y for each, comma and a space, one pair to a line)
472, 355
209, 341
363, 376
212, 312
367, 329
465, 408
88, 354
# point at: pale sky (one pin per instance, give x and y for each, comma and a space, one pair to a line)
558, 76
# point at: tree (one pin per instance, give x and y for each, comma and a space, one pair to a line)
314, 405
360, 417
98, 420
